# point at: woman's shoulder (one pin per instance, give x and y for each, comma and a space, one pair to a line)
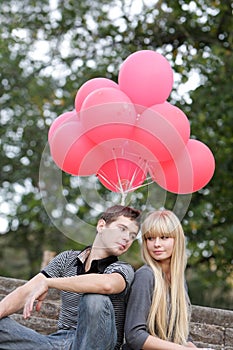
145, 270
144, 280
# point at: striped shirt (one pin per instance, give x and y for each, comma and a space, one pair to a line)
71, 263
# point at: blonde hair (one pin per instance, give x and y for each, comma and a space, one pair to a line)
174, 327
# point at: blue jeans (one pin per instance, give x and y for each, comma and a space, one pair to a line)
96, 330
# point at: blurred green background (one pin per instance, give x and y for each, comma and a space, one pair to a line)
48, 49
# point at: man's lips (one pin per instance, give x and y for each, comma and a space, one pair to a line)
122, 246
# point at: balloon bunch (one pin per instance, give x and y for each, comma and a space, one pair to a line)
124, 132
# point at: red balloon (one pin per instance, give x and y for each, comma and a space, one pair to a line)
90, 86
127, 149
121, 175
74, 152
189, 172
164, 130
107, 113
146, 77
71, 115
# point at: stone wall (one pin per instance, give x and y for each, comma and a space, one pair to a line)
212, 327
209, 327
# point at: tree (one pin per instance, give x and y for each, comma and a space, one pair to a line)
49, 49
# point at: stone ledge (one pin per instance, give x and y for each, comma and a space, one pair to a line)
219, 317
49, 309
7, 285
39, 324
206, 333
209, 327
229, 336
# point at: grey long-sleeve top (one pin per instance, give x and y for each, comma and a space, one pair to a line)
138, 308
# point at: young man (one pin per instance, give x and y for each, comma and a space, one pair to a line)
94, 287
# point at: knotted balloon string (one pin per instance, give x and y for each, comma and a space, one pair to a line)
121, 186
123, 198
121, 190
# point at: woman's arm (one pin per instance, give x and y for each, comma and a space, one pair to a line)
154, 343
138, 307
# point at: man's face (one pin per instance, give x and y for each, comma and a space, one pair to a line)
117, 237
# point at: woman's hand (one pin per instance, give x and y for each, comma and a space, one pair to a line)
191, 345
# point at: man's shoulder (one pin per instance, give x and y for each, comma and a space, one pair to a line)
65, 258
121, 267
68, 254
121, 264
125, 270
71, 253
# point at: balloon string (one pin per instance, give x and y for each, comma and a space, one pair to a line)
124, 194
142, 164
123, 198
118, 175
106, 179
120, 188
139, 186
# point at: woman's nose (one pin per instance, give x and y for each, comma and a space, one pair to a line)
157, 241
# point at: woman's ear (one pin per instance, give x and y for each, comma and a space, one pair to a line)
100, 225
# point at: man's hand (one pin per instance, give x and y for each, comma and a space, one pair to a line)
18, 298
37, 294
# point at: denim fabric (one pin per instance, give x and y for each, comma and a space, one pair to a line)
14, 336
96, 324
96, 330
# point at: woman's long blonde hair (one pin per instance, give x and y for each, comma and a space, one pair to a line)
168, 320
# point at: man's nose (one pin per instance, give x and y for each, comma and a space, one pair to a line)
126, 236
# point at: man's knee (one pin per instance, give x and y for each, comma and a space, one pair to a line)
5, 322
95, 303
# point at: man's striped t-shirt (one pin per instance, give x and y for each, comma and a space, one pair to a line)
71, 263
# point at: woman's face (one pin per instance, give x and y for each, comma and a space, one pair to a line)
160, 248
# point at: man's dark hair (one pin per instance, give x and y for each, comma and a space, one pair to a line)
112, 213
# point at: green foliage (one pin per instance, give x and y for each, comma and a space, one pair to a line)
47, 52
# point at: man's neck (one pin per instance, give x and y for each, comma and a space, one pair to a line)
95, 254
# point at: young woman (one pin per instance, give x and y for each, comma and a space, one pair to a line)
158, 310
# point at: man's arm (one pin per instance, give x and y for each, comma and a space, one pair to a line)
16, 300
91, 283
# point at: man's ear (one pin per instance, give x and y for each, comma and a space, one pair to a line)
101, 224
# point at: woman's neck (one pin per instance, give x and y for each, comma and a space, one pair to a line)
166, 269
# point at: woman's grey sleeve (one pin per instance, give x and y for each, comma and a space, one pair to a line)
138, 308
